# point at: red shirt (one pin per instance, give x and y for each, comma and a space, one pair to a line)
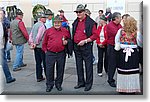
53, 39
105, 35
22, 28
80, 32
112, 29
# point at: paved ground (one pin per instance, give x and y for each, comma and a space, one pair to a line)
26, 81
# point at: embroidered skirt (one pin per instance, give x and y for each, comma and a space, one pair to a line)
128, 79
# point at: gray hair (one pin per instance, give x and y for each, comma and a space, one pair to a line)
114, 15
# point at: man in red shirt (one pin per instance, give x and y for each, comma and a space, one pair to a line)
112, 29
84, 33
54, 43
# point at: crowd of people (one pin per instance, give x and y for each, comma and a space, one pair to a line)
119, 46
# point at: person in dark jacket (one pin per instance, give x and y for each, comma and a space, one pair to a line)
84, 33
3, 61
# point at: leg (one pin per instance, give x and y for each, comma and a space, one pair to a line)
5, 67
60, 66
50, 62
87, 56
38, 60
111, 65
79, 66
105, 60
19, 56
100, 60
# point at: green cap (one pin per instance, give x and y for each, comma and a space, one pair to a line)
103, 18
57, 18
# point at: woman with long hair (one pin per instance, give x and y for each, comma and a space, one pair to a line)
128, 61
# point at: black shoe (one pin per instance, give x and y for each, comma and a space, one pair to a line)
87, 89
12, 80
59, 88
39, 80
16, 69
48, 89
112, 84
79, 86
23, 65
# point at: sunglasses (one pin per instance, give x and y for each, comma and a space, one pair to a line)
79, 11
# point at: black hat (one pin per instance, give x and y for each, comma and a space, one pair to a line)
80, 7
19, 12
61, 11
48, 12
41, 15
103, 18
57, 18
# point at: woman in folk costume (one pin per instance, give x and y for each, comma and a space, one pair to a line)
128, 61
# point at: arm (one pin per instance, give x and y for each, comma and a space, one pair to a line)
117, 40
44, 43
40, 34
23, 30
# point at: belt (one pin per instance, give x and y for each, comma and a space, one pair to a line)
56, 52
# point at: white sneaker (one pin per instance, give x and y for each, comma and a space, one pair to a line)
100, 74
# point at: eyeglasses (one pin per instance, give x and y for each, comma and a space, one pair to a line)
79, 11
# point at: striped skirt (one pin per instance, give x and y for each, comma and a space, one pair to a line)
128, 83
128, 78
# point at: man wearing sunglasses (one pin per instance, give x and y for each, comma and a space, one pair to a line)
84, 33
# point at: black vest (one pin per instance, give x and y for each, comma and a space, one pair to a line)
89, 23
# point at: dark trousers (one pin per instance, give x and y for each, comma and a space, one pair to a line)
102, 54
39, 59
112, 62
84, 53
51, 59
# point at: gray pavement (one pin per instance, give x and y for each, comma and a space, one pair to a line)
26, 80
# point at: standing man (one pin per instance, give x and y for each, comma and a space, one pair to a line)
49, 22
54, 43
3, 40
84, 32
35, 40
112, 29
19, 36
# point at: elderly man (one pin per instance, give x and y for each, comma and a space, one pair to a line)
19, 36
35, 40
112, 29
54, 43
84, 33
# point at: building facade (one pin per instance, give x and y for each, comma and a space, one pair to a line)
131, 7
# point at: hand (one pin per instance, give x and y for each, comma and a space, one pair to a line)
101, 46
81, 43
65, 42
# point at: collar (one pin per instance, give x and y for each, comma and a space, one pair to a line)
18, 18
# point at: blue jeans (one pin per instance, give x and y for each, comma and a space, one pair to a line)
8, 55
19, 56
5, 66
